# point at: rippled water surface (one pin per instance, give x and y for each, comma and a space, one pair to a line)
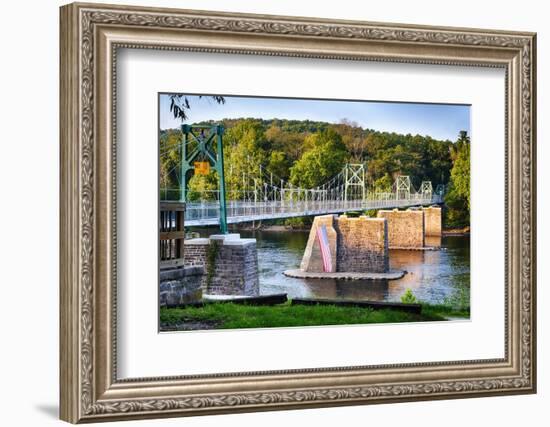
434, 276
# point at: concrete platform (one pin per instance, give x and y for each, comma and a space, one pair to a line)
300, 274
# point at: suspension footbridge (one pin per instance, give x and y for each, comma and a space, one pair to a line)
261, 195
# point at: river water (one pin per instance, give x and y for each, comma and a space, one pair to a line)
434, 276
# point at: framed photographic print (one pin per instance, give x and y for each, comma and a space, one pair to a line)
267, 212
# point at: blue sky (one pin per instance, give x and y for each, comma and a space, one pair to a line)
440, 121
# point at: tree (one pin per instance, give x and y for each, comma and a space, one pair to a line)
352, 137
326, 157
287, 140
203, 187
460, 173
383, 184
457, 198
244, 156
279, 164
309, 153
169, 159
179, 103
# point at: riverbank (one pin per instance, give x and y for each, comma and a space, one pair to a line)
237, 316
267, 227
465, 231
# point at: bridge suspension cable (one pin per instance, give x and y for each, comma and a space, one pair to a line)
254, 192
264, 195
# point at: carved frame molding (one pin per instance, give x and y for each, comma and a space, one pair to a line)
90, 37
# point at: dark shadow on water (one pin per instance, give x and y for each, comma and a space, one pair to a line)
374, 290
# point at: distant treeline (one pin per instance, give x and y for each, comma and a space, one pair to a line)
309, 153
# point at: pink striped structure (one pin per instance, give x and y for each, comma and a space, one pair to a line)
322, 238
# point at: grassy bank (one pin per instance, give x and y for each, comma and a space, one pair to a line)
236, 316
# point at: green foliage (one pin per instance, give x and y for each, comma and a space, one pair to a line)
353, 139
460, 173
244, 151
169, 158
383, 184
179, 104
371, 213
250, 142
324, 159
392, 154
445, 311
234, 316
459, 299
279, 165
309, 153
457, 198
457, 214
202, 187
211, 257
298, 223
286, 139
408, 297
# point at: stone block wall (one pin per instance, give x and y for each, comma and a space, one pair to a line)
235, 267
405, 228
195, 252
432, 221
180, 286
356, 245
362, 244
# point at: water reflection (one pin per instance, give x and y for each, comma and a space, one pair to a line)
348, 289
433, 241
433, 275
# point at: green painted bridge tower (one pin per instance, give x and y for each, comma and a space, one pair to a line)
203, 143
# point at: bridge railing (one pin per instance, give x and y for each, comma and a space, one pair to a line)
241, 211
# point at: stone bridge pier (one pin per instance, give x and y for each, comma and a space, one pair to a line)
358, 245
433, 221
405, 228
230, 264
222, 264
411, 228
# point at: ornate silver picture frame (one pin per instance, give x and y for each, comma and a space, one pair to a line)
91, 390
